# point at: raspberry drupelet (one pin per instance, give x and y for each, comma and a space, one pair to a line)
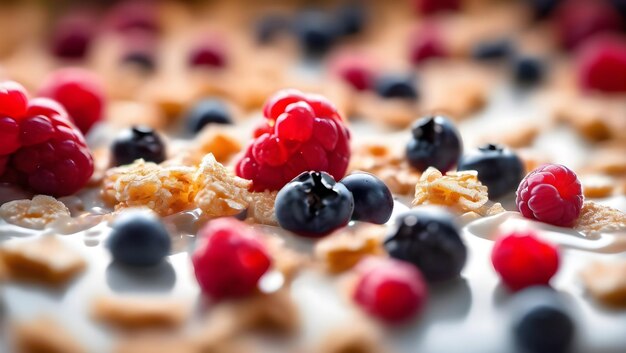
551, 194
229, 260
303, 132
41, 149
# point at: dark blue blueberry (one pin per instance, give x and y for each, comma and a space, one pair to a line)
138, 239
543, 8
428, 238
528, 71
141, 60
313, 205
435, 143
316, 31
271, 26
138, 142
499, 168
208, 111
493, 49
372, 199
541, 323
396, 86
351, 18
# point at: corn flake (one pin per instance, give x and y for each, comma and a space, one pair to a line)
35, 213
460, 190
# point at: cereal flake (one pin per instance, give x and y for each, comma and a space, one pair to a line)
596, 218
43, 260
460, 190
343, 249
35, 213
606, 282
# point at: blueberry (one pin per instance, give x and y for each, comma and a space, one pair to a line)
138, 239
372, 199
141, 60
528, 71
543, 8
351, 18
208, 111
494, 49
270, 26
435, 143
499, 168
313, 205
541, 323
316, 31
396, 86
428, 238
135, 143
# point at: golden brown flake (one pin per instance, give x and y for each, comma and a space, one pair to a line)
165, 190
139, 312
518, 136
35, 213
261, 208
391, 168
606, 282
43, 335
344, 248
596, 218
220, 193
461, 190
220, 143
597, 186
43, 260
356, 337
155, 343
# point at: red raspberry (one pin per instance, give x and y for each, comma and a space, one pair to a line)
550, 194
80, 92
209, 53
428, 7
578, 20
229, 260
602, 64
426, 43
354, 68
523, 260
302, 133
391, 290
53, 157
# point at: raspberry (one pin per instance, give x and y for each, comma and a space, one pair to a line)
391, 290
579, 20
301, 133
73, 35
80, 92
355, 69
210, 53
426, 44
523, 260
48, 154
427, 7
602, 64
229, 260
550, 194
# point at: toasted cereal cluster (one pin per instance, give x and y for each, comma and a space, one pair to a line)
596, 218
343, 249
261, 209
35, 213
460, 190
392, 169
167, 189
219, 192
